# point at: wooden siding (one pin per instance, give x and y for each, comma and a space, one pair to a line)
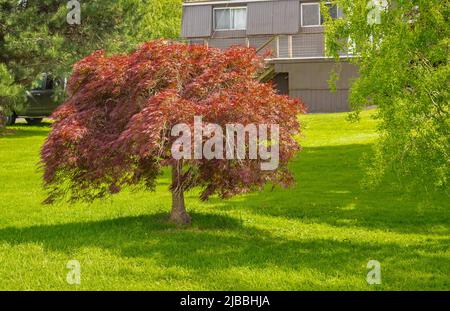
308, 81
197, 21
273, 17
307, 45
257, 42
229, 34
225, 43
286, 17
259, 18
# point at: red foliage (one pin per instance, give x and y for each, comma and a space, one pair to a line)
114, 130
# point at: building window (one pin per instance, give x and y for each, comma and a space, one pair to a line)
311, 16
230, 18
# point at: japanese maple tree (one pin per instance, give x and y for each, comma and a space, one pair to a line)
114, 130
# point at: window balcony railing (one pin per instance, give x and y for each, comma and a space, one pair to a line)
274, 47
297, 46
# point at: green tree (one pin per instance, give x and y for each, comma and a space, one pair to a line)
402, 50
9, 94
35, 36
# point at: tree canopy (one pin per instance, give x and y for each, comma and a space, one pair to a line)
402, 51
115, 128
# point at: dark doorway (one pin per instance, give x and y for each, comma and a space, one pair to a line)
281, 82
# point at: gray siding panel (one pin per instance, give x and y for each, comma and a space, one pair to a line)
259, 18
286, 17
197, 21
273, 17
229, 34
226, 43
258, 42
308, 45
308, 81
313, 75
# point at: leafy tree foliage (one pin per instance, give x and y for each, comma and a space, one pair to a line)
402, 50
35, 36
9, 93
115, 129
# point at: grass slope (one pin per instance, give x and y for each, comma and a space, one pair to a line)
318, 235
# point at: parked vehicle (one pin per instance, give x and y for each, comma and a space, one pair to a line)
40, 102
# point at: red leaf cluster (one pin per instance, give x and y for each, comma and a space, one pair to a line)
114, 129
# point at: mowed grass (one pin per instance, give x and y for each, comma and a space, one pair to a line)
318, 235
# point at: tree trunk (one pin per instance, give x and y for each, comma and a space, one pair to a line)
178, 214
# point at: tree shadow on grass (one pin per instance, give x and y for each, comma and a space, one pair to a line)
328, 190
217, 241
210, 237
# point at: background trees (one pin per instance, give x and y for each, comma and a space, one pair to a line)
115, 128
9, 93
35, 36
402, 53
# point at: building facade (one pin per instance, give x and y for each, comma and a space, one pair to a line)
291, 30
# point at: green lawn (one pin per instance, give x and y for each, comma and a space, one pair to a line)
318, 235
